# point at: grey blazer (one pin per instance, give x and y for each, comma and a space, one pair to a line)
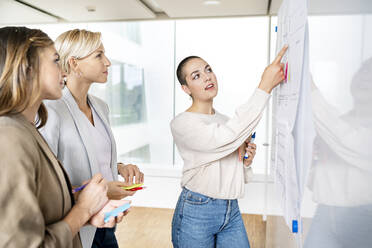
67, 135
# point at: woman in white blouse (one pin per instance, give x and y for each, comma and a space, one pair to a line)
78, 129
207, 213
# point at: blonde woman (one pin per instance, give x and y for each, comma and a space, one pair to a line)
37, 206
78, 129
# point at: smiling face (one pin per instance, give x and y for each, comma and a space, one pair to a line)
95, 66
201, 80
51, 83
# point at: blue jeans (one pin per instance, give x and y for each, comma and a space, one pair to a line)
105, 238
201, 221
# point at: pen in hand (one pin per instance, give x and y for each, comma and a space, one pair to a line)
79, 188
251, 141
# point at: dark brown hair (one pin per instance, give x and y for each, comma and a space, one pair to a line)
180, 74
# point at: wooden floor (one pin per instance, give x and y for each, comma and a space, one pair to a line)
145, 227
151, 228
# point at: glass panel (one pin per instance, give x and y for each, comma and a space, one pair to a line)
139, 91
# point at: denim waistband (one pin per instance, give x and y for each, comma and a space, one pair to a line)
188, 193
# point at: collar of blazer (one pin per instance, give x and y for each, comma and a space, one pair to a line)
58, 168
84, 134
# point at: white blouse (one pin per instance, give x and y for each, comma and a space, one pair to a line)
102, 145
208, 145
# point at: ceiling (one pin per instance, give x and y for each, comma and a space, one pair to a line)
331, 7
49, 11
13, 12
200, 8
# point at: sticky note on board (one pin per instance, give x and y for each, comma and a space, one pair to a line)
133, 186
116, 211
286, 72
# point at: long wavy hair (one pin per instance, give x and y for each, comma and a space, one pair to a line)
20, 49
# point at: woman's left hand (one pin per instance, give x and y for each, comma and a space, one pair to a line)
97, 220
251, 151
115, 190
129, 171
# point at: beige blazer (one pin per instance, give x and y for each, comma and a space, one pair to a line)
35, 191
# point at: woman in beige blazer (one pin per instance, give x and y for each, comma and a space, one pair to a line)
37, 207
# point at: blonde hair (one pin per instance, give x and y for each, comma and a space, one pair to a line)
20, 49
76, 43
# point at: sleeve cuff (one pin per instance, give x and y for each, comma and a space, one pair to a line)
257, 102
62, 234
260, 97
262, 92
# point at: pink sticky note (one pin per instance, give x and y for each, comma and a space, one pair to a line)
286, 72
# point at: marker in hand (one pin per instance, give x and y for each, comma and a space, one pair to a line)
79, 188
251, 141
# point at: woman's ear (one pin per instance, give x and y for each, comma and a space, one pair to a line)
73, 64
74, 67
186, 89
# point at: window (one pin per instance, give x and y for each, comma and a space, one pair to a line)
124, 93
238, 57
142, 92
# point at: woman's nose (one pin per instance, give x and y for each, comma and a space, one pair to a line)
108, 62
207, 77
